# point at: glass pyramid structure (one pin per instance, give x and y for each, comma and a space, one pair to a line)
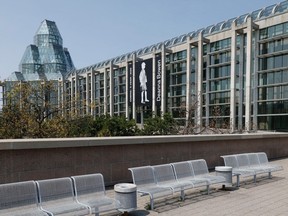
46, 59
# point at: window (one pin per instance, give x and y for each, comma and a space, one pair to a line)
279, 29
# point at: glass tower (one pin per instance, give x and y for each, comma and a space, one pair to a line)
46, 59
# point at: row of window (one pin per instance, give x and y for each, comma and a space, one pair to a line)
273, 62
273, 78
273, 31
273, 46
273, 93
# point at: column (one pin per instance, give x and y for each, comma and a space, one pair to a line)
248, 75
255, 87
88, 99
133, 81
188, 83
233, 78
127, 90
73, 95
105, 91
111, 89
199, 80
241, 80
76, 103
92, 94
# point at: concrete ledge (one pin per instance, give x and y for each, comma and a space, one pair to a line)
14, 144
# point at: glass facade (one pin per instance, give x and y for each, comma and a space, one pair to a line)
46, 59
273, 77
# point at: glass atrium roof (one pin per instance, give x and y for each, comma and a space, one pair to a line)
219, 27
45, 59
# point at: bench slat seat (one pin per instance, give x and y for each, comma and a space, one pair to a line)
200, 170
19, 199
165, 177
183, 171
90, 191
244, 163
144, 178
263, 160
57, 197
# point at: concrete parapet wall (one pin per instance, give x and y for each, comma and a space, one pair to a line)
35, 159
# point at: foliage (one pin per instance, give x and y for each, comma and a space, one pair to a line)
29, 110
118, 126
160, 125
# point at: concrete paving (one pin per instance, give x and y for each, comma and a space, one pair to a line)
266, 197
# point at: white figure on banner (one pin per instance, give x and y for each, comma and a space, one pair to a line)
143, 81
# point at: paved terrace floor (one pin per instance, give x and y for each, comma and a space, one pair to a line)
266, 197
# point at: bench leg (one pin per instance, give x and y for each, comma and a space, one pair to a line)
255, 179
238, 181
151, 203
182, 195
96, 211
269, 175
208, 189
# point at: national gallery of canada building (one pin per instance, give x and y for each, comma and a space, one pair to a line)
235, 71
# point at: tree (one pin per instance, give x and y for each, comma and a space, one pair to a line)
160, 125
118, 126
28, 111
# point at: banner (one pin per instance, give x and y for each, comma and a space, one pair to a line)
158, 80
143, 82
130, 84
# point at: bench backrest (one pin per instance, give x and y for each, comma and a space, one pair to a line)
183, 169
230, 160
89, 184
164, 173
243, 160
199, 167
253, 159
54, 189
18, 194
143, 175
262, 156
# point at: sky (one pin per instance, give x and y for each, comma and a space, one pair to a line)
97, 30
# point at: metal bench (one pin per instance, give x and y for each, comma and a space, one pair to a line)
90, 191
144, 178
165, 179
19, 199
56, 197
249, 164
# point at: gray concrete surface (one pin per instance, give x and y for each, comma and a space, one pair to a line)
266, 197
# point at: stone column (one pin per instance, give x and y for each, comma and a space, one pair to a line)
188, 82
105, 91
241, 78
133, 81
249, 60
199, 80
111, 89
92, 94
255, 77
127, 90
233, 78
88, 96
